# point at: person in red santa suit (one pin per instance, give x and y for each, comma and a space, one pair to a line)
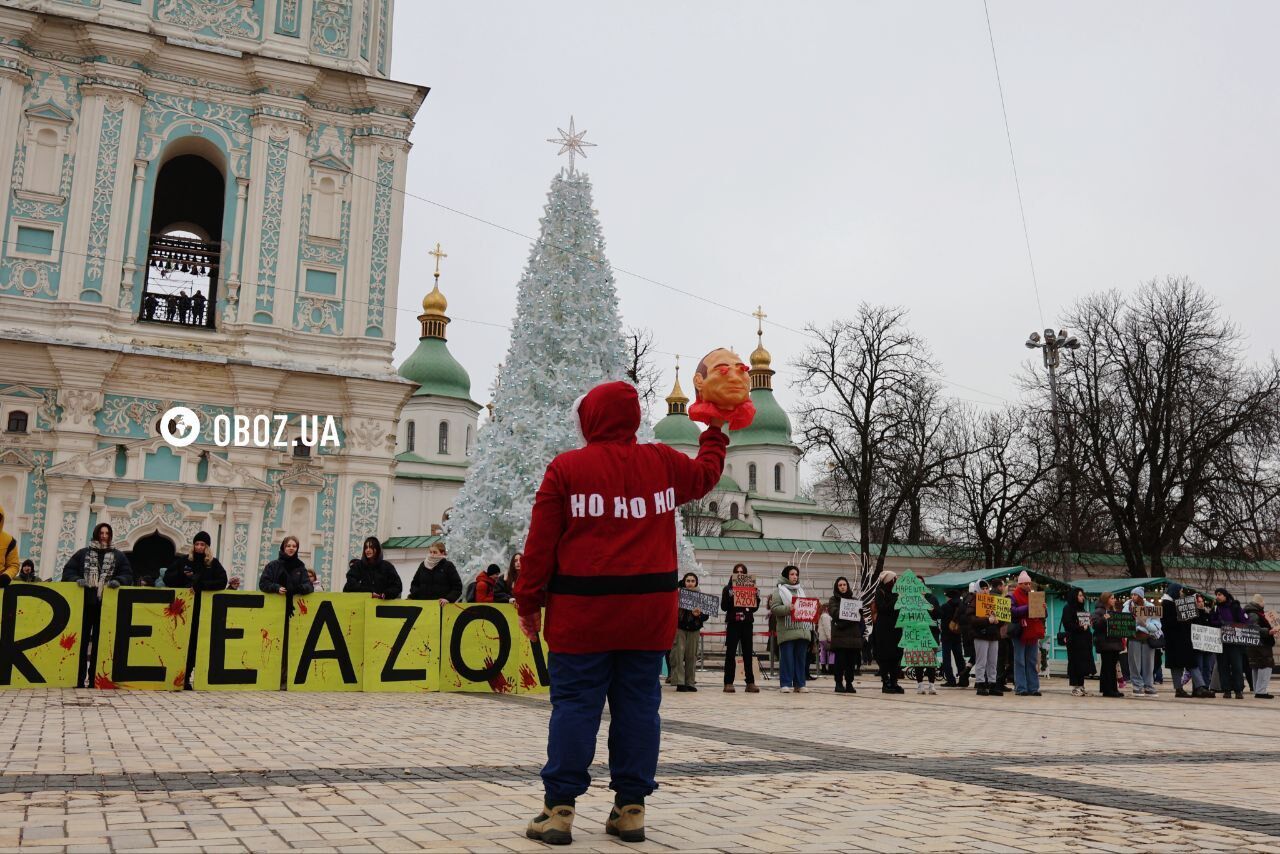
601, 557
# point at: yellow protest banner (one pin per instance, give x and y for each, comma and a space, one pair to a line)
143, 634
401, 645
483, 650
326, 642
40, 635
240, 641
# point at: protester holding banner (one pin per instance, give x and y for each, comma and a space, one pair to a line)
1227, 613
793, 634
436, 578
97, 566
1142, 654
1175, 604
513, 573
1261, 658
886, 637
198, 569
739, 622
371, 573
287, 574
986, 641
1026, 631
684, 655
27, 572
846, 636
1108, 645
1079, 639
607, 575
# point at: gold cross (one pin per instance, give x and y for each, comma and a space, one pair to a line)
759, 315
437, 254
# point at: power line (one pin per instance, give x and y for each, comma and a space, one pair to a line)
1026, 232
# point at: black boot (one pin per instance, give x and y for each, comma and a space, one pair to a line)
982, 689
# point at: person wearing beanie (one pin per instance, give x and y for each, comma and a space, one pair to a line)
371, 573
490, 587
1261, 658
684, 656
96, 567
986, 642
198, 569
1227, 613
601, 556
1142, 655
793, 635
1026, 643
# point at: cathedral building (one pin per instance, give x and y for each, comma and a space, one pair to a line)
200, 209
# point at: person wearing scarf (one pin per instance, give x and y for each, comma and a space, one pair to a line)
95, 567
793, 636
1079, 641
886, 637
437, 578
371, 574
287, 574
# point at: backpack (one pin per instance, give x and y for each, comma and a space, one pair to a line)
469, 595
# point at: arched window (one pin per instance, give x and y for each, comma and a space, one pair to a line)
444, 437
468, 440
751, 477
777, 477
410, 437
733, 510
17, 422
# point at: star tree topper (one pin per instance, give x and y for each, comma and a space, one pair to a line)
570, 141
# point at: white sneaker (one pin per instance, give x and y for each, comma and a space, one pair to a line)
930, 689
784, 690
802, 690
919, 687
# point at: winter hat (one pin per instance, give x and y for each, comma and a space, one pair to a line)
1224, 592
1258, 600
493, 569
1174, 590
202, 537
1138, 591
1024, 577
888, 576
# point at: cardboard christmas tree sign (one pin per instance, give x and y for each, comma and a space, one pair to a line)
919, 649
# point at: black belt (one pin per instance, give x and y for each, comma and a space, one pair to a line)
613, 585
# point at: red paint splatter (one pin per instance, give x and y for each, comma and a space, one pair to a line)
302, 606
67, 642
499, 683
101, 681
177, 609
180, 681
528, 679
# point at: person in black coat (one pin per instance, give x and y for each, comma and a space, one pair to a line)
738, 626
1108, 647
287, 574
885, 636
846, 638
1178, 652
436, 578
371, 574
1079, 640
954, 670
96, 567
198, 570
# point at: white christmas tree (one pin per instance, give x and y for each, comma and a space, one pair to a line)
566, 338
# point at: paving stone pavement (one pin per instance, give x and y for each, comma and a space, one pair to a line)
132, 771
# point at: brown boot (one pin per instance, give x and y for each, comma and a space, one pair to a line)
729, 689
626, 823
554, 826
752, 689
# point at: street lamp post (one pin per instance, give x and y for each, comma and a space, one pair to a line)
1051, 347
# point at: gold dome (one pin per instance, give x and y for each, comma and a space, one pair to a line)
434, 302
677, 394
760, 358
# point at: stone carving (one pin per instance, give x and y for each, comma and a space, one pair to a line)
365, 498
381, 243
224, 18
104, 183
331, 27
79, 405
368, 435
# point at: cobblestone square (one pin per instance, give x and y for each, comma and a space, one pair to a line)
87, 771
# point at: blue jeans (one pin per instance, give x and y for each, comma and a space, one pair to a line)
1026, 667
1205, 662
793, 661
580, 684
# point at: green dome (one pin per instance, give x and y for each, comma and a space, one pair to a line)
676, 429
771, 425
435, 371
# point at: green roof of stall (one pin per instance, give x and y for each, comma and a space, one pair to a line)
1094, 586
962, 580
411, 542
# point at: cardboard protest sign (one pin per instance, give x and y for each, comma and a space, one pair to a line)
326, 642
1120, 625
143, 633
1084, 619
988, 603
1274, 622
1187, 609
1143, 613
919, 649
483, 650
805, 609
851, 610
239, 641
705, 602
745, 596
1035, 604
1242, 635
401, 645
41, 630
1206, 638
920, 657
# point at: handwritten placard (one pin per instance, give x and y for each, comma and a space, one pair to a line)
920, 657
804, 609
1242, 635
745, 596
1187, 610
1206, 638
1120, 625
1083, 618
1035, 605
851, 610
704, 602
988, 603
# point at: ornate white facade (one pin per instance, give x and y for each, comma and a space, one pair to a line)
199, 209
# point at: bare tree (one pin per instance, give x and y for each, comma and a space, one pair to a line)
702, 518
641, 370
875, 418
1154, 403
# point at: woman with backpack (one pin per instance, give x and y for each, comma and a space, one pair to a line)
1079, 640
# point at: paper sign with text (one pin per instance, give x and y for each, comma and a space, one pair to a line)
1187, 609
705, 602
804, 609
988, 603
745, 597
1206, 638
1035, 604
1242, 635
851, 610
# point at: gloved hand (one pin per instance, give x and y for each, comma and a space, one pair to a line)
82, 582
113, 584
4, 580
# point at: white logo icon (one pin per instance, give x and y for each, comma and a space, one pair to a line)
180, 426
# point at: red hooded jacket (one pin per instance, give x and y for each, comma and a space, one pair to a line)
601, 551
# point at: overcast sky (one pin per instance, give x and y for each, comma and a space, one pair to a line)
810, 155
